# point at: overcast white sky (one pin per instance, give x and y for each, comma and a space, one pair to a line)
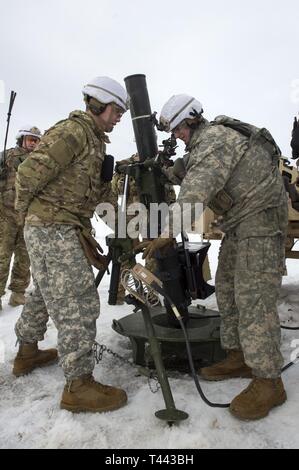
238, 58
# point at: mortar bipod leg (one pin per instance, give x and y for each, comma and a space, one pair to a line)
170, 414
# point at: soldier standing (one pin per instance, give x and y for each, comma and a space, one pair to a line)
239, 178
58, 188
11, 226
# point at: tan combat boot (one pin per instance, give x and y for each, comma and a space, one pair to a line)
29, 357
85, 394
16, 299
258, 398
231, 367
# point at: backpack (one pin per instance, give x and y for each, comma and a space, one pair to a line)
254, 134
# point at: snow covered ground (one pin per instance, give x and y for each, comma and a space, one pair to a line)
30, 416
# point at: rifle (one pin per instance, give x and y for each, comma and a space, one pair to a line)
3, 154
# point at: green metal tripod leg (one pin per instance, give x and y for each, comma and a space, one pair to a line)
170, 414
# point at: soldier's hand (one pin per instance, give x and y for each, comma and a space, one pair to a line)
141, 246
157, 244
121, 165
179, 168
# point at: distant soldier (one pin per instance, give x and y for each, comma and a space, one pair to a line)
233, 169
58, 189
11, 226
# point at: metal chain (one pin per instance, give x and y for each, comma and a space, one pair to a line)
153, 380
100, 349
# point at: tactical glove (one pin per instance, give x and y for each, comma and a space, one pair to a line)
141, 246
177, 172
157, 244
179, 168
121, 165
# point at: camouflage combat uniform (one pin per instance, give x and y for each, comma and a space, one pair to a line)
251, 259
11, 229
59, 187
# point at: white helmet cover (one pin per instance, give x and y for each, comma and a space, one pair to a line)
178, 108
106, 90
28, 129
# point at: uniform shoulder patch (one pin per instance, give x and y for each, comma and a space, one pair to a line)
73, 143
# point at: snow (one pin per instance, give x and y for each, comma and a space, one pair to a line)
31, 418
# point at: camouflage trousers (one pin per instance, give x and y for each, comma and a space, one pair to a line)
12, 243
64, 289
248, 282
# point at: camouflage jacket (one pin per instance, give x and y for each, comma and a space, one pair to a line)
60, 182
218, 173
13, 158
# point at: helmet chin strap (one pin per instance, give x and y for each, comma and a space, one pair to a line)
94, 106
197, 119
24, 143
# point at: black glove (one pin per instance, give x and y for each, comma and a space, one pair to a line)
295, 139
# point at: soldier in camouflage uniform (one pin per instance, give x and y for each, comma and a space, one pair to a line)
11, 227
58, 188
238, 177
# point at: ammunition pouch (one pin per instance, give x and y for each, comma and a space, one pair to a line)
107, 168
92, 249
221, 203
